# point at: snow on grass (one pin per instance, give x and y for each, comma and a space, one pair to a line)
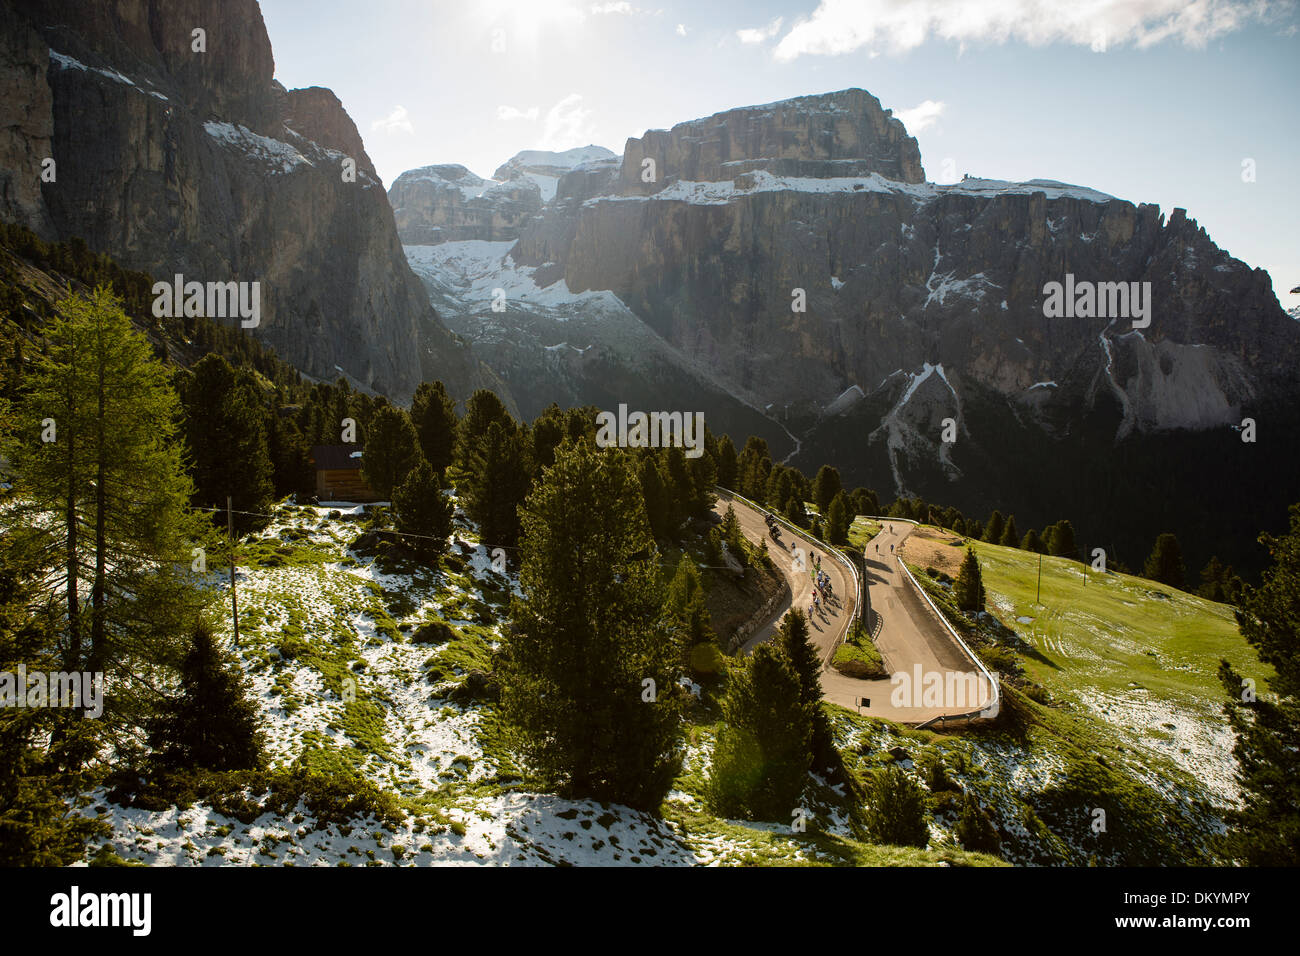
510, 829
1197, 740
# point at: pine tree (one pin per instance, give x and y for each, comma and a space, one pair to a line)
482, 410
214, 722
1062, 542
825, 487
704, 477
546, 433
737, 546
753, 469
225, 425
495, 481
837, 520
685, 603
589, 674
896, 812
727, 463
433, 413
681, 489
107, 497
1032, 542
1165, 563
424, 512
1010, 537
969, 586
1265, 831
975, 830
655, 495
690, 617
392, 450
763, 749
793, 637
794, 510
36, 828
864, 502
994, 529
291, 468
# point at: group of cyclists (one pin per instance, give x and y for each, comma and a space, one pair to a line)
823, 595
773, 529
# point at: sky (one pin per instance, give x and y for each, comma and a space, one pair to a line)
1182, 104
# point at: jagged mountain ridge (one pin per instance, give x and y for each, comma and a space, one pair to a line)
200, 163
448, 203
922, 300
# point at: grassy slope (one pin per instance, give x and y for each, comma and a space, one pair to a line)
315, 615
327, 644
1116, 632
1129, 667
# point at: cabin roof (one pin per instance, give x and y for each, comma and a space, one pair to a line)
336, 457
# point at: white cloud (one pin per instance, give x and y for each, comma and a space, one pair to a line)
761, 34
623, 8
508, 113
843, 26
567, 125
681, 29
920, 116
397, 121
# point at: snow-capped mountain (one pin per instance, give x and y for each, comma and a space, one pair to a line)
795, 254
448, 203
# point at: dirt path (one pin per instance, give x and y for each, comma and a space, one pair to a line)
907, 634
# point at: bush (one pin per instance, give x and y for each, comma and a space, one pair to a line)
247, 794
975, 830
895, 809
860, 661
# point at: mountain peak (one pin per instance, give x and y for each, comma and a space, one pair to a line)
844, 133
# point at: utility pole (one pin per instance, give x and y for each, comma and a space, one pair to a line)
234, 599
1038, 598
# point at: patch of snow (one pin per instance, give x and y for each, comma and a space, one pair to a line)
277, 154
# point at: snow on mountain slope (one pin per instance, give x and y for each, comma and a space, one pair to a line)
475, 270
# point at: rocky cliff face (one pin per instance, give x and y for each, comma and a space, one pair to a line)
795, 282
846, 133
794, 254
199, 163
26, 125
448, 203
892, 276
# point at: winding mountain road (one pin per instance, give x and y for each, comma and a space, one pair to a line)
906, 631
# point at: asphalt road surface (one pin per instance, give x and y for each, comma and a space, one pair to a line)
906, 631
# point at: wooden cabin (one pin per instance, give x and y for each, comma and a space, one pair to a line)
338, 473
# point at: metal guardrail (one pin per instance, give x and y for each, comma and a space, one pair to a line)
830, 550
996, 701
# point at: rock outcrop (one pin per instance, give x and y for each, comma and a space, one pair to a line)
846, 133
175, 160
448, 203
794, 255
444, 203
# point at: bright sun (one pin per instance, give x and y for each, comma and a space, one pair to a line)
524, 21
